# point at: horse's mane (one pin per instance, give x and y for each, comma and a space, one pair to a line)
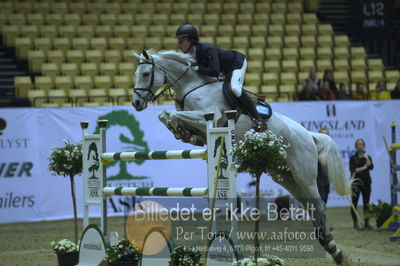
177, 56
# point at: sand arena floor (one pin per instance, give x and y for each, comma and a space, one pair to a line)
28, 243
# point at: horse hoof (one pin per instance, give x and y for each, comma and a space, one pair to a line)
338, 258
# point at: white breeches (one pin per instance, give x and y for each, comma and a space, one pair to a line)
237, 79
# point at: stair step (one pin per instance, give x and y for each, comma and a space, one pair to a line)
6, 91
7, 102
5, 60
6, 79
13, 73
8, 67
6, 87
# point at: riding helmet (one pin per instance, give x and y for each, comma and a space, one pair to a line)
187, 30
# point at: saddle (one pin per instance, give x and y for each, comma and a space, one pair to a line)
263, 108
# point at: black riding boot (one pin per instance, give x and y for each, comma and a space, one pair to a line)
247, 104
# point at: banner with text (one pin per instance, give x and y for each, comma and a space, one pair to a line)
28, 191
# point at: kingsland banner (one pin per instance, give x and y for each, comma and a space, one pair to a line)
28, 191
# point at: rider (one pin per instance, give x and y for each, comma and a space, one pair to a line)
212, 60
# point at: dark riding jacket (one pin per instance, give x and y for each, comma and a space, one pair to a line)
213, 60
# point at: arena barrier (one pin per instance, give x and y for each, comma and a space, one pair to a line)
220, 192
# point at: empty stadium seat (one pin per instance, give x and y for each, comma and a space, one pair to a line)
255, 53
341, 52
102, 82
56, 56
307, 53
83, 82
392, 76
289, 65
375, 64
89, 69
36, 58
306, 65
63, 82
75, 56
42, 43
288, 78
308, 41
60, 98
255, 66
118, 94
358, 64
358, 76
69, 69
342, 76
79, 96
375, 76
341, 41
62, 44
44, 83
103, 31
80, 43
37, 97
341, 65
22, 85
85, 31
270, 78
23, 45
358, 52
122, 81
273, 53
112, 56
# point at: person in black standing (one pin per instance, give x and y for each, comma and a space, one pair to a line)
360, 165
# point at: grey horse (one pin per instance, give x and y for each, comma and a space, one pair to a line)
196, 95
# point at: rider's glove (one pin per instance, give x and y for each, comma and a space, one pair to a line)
194, 67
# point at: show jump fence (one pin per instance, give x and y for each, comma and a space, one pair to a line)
95, 159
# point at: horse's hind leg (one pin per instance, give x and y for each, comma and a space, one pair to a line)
309, 196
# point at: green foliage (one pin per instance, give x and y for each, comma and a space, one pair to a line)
382, 209
261, 152
67, 160
184, 256
122, 251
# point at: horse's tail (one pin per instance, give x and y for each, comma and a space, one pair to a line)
332, 163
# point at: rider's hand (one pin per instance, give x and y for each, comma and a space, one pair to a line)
194, 67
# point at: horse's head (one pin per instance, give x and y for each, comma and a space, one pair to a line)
149, 78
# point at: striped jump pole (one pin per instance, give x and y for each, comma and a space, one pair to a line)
156, 191
154, 155
95, 160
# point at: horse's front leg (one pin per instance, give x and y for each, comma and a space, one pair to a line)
185, 125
